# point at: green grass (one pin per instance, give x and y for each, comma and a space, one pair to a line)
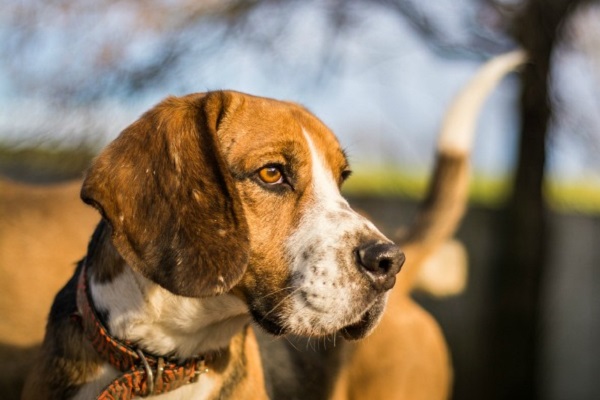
386, 182
412, 184
47, 161
582, 197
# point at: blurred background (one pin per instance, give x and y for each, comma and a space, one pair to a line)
380, 73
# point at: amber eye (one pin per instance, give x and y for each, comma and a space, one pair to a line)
270, 175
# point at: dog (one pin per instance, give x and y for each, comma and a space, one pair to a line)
222, 208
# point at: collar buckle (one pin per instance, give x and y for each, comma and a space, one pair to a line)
152, 381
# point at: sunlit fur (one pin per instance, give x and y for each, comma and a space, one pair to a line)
163, 323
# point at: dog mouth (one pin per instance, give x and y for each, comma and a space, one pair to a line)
367, 322
273, 324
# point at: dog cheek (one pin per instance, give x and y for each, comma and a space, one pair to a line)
265, 279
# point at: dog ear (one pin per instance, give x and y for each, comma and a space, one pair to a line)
166, 190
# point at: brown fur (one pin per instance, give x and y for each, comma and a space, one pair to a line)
163, 187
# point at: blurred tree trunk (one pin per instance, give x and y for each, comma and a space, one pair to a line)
515, 345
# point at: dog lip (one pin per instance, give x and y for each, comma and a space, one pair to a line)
366, 323
356, 331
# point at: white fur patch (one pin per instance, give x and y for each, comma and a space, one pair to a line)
163, 323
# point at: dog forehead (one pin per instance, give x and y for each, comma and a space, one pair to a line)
327, 148
262, 126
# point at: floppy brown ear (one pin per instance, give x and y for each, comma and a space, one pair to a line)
167, 192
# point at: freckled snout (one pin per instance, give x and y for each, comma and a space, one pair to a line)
380, 262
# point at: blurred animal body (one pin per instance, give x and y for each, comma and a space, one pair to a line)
43, 232
222, 219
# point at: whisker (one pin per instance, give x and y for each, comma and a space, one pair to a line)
308, 342
275, 292
290, 342
281, 302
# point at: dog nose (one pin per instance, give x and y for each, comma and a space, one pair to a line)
381, 262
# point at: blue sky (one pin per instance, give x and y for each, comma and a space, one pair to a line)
385, 103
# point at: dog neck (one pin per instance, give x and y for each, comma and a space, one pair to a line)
139, 311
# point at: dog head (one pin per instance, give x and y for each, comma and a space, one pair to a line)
225, 192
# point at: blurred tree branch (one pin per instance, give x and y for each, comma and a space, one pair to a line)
123, 47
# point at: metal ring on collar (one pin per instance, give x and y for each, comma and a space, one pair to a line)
149, 372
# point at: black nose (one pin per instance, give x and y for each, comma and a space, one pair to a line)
381, 262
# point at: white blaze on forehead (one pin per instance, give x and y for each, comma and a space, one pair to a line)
317, 229
327, 193
324, 183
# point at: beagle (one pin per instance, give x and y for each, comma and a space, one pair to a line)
222, 219
216, 207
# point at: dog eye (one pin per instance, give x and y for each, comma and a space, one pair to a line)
346, 174
271, 175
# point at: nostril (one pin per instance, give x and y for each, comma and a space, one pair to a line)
385, 264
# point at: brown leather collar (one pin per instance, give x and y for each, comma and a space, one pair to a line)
142, 374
